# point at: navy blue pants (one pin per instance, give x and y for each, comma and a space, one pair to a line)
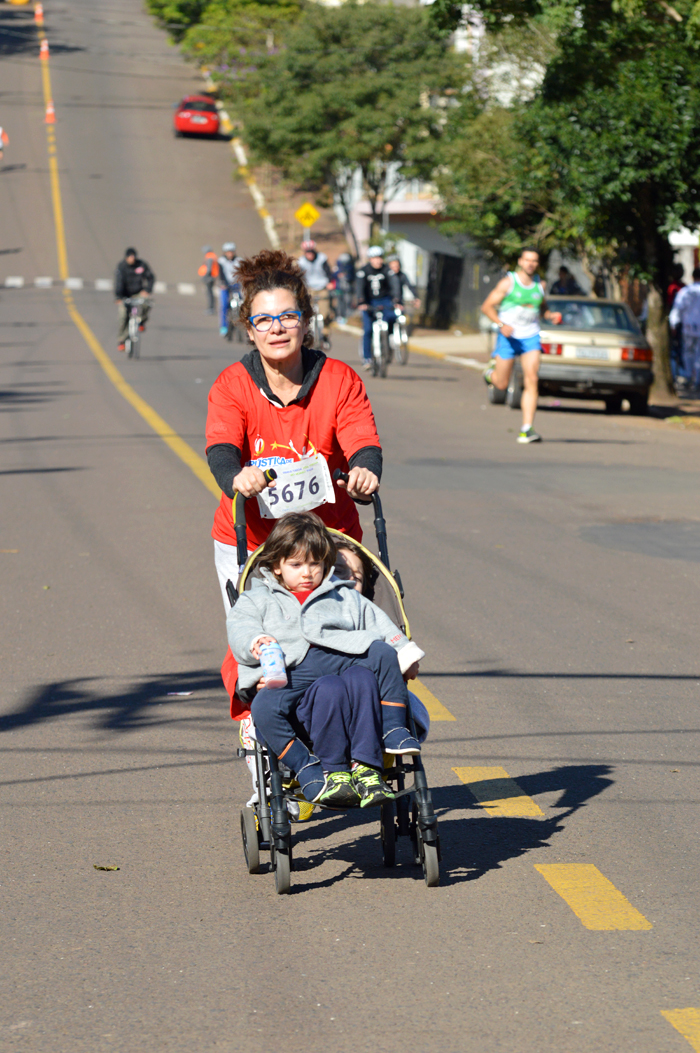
342, 716
273, 708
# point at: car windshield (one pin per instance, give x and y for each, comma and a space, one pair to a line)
199, 107
591, 314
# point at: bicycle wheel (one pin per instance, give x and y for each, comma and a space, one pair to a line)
376, 349
401, 343
134, 337
384, 359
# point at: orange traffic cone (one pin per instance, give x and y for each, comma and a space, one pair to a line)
44, 50
39, 14
50, 113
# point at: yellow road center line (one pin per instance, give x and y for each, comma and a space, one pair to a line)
182, 449
594, 900
498, 793
435, 708
687, 1022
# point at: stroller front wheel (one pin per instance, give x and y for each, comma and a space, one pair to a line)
282, 863
388, 833
249, 834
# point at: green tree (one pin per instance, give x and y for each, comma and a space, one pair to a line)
361, 86
605, 157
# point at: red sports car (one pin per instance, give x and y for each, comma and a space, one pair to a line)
196, 115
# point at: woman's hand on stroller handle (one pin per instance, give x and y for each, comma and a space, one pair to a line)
360, 483
251, 481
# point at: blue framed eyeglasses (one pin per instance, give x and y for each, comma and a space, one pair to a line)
288, 320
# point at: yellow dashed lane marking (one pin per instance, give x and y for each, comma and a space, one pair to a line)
687, 1022
498, 793
435, 708
594, 900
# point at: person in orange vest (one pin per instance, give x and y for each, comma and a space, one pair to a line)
209, 272
4, 140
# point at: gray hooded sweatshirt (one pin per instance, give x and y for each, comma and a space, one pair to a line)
336, 616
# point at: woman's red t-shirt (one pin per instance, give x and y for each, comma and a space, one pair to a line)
335, 419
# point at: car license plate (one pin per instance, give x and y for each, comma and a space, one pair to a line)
600, 353
198, 120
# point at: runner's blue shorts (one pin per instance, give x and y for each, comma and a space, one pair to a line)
511, 347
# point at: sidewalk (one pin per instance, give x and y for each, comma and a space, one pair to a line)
469, 350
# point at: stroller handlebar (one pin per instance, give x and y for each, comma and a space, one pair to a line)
239, 522
379, 522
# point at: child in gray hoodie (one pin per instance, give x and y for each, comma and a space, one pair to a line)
324, 627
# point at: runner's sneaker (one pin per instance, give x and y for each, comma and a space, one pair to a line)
529, 435
488, 373
339, 791
399, 741
370, 786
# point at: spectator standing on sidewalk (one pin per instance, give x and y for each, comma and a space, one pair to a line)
344, 277
566, 285
685, 320
674, 287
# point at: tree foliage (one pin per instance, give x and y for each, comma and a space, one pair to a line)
604, 159
361, 86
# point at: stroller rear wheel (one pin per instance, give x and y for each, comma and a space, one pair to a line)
249, 834
388, 833
282, 864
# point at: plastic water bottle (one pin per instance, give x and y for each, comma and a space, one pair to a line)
273, 665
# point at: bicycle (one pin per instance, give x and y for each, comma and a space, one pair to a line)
398, 338
381, 347
135, 307
232, 313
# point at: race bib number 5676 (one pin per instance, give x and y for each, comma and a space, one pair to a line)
299, 487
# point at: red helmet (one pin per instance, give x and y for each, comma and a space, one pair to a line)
308, 246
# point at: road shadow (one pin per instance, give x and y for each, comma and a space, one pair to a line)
471, 847
18, 34
134, 707
13, 399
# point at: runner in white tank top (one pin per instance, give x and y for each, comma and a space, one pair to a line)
516, 305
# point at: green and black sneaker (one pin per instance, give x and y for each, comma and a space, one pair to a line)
370, 786
528, 435
488, 373
339, 791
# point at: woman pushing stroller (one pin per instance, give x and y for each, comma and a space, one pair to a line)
346, 663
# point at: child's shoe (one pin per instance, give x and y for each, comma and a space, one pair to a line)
400, 741
339, 791
370, 786
312, 781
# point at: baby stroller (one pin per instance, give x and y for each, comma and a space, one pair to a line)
265, 822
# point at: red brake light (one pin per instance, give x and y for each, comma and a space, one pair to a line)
637, 354
551, 349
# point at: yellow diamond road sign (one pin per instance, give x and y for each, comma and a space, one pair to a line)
307, 215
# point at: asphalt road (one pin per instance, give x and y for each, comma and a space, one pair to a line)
554, 588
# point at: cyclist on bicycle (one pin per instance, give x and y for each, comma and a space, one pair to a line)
228, 282
131, 278
377, 288
395, 265
318, 276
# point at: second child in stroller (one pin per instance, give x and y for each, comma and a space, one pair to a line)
325, 627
